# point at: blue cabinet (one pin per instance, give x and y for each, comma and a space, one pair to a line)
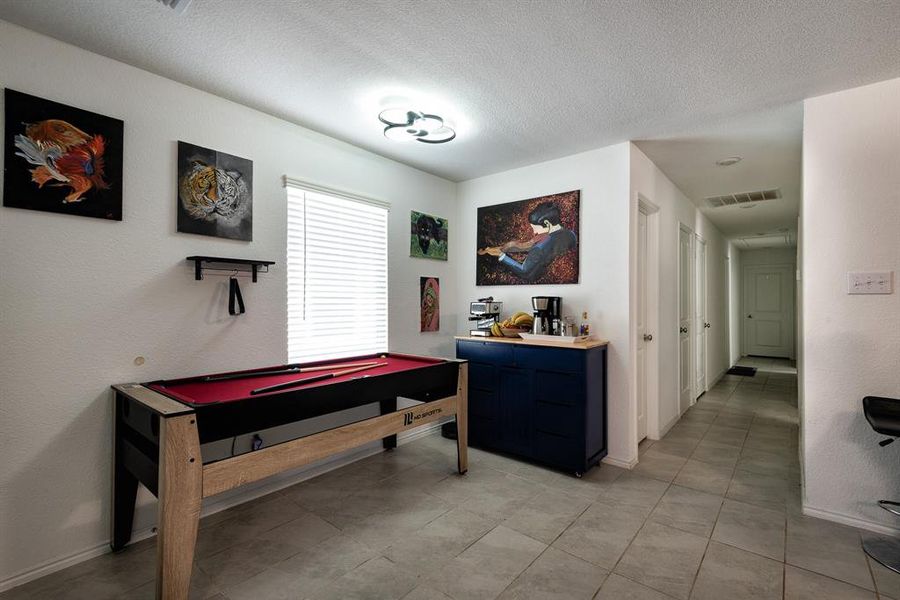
514, 409
546, 404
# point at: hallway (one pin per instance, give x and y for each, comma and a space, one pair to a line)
712, 511
741, 442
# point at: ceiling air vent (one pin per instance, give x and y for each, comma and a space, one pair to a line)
178, 6
742, 198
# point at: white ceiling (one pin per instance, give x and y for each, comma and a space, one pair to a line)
524, 81
770, 144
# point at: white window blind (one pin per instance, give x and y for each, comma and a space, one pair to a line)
337, 275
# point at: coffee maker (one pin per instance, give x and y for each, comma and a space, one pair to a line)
547, 314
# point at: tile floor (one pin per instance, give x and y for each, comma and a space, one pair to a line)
711, 512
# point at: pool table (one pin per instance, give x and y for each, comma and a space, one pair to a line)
159, 427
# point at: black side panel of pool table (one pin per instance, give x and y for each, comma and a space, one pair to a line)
136, 459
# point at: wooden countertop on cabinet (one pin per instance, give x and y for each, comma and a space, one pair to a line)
592, 343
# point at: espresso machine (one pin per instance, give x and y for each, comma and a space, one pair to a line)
547, 315
485, 312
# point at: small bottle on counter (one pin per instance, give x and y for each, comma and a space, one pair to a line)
585, 328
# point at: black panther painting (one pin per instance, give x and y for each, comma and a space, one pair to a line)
428, 236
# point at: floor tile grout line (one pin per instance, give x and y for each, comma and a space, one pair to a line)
784, 570
709, 540
641, 528
871, 572
830, 578
547, 546
699, 566
784, 555
666, 594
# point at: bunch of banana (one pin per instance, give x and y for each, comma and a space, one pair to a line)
520, 320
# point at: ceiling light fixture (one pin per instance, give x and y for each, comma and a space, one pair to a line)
404, 125
731, 160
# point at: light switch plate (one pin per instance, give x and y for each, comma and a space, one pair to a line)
876, 282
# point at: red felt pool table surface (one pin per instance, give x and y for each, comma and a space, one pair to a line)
196, 390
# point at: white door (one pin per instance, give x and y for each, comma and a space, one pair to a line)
644, 336
685, 316
769, 310
701, 324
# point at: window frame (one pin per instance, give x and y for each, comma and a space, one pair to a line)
305, 186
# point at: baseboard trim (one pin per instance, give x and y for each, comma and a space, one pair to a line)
247, 493
843, 519
52, 566
717, 378
668, 426
623, 464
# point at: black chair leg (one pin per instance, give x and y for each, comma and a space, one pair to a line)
387, 407
885, 550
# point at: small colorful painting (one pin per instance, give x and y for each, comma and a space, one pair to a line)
428, 236
532, 241
61, 159
215, 193
430, 301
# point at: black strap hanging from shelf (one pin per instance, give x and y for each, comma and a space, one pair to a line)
234, 294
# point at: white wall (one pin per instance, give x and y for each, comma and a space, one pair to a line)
602, 177
610, 180
81, 298
850, 222
675, 208
769, 256
735, 320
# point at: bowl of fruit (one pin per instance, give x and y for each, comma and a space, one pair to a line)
513, 326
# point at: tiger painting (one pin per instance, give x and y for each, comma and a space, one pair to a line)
214, 192
209, 193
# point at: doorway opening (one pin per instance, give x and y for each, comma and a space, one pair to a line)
768, 308
765, 302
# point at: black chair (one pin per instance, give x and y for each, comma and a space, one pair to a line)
883, 414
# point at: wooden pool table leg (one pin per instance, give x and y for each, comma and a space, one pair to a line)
180, 493
387, 407
462, 418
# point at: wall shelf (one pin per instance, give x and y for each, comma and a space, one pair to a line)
218, 263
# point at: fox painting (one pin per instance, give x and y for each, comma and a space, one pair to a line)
61, 159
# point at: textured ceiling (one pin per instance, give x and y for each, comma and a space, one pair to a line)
525, 81
770, 144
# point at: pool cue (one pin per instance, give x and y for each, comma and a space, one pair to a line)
313, 379
285, 371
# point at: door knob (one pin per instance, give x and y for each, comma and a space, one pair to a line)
707, 325
749, 316
683, 329
648, 337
